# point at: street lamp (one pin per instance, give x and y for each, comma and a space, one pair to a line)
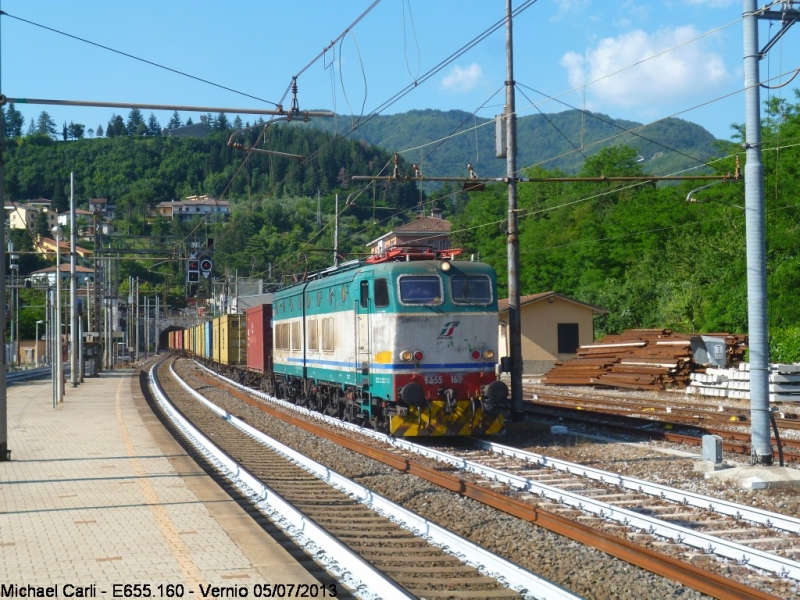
36, 346
57, 234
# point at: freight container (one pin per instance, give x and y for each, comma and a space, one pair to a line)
259, 338
230, 339
208, 347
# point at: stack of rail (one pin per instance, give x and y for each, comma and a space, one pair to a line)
641, 359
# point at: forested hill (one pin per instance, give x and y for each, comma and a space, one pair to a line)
553, 141
141, 170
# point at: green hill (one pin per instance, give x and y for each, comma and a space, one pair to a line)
444, 141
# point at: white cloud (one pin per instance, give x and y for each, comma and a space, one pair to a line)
678, 75
462, 80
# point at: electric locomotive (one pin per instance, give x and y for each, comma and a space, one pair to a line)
405, 341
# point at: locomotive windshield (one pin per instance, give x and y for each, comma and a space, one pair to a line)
471, 289
420, 289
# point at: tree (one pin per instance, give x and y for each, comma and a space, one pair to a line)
135, 120
153, 126
40, 225
13, 121
99, 131
75, 130
221, 123
175, 121
237, 123
189, 121
45, 125
115, 127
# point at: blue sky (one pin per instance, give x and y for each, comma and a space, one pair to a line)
584, 52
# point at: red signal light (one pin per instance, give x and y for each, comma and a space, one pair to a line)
205, 265
418, 355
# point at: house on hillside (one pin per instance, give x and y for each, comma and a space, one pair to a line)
103, 206
48, 276
431, 231
23, 216
204, 206
47, 248
553, 327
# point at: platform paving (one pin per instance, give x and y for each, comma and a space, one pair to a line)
98, 493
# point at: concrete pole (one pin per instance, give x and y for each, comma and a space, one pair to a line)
761, 447
514, 323
59, 358
73, 289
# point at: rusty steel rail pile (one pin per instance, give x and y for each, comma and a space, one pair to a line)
639, 359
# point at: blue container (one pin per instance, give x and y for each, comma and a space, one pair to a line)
208, 346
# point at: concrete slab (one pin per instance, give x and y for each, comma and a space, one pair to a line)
758, 477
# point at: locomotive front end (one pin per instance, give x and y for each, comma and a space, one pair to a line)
443, 336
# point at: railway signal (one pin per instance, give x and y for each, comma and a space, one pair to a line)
205, 267
193, 271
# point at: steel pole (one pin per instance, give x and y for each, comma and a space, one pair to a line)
59, 358
756, 245
514, 322
73, 289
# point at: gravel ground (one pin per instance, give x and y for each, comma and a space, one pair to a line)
586, 572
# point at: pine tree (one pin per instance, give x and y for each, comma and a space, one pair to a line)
153, 126
45, 125
99, 131
14, 122
175, 121
135, 119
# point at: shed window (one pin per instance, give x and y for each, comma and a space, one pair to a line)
568, 338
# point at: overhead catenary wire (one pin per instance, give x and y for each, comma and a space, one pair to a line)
137, 58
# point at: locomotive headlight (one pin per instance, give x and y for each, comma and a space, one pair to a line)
445, 265
405, 355
488, 354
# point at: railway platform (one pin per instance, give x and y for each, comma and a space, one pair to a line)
98, 496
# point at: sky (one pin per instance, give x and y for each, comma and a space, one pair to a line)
630, 59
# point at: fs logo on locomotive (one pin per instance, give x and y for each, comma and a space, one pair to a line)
447, 331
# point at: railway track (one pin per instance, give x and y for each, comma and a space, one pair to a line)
412, 563
611, 517
680, 422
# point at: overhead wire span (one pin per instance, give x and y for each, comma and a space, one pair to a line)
452, 57
143, 60
329, 46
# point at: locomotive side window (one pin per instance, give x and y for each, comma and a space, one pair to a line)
381, 291
296, 337
420, 289
471, 289
327, 334
313, 337
364, 294
282, 336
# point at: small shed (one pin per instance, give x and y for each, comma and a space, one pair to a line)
553, 327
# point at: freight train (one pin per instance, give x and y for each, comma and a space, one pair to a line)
405, 342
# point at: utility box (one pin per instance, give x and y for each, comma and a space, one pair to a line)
712, 449
709, 351
500, 136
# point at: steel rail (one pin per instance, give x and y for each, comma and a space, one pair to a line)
338, 557
732, 441
508, 573
717, 505
703, 581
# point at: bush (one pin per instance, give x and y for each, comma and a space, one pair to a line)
784, 345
